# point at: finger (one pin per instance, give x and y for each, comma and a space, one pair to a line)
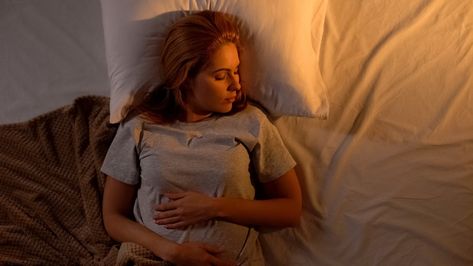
212, 249
165, 206
172, 223
167, 221
166, 214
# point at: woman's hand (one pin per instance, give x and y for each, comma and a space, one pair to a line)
194, 253
281, 208
184, 209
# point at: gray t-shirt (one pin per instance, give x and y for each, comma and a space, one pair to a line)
213, 157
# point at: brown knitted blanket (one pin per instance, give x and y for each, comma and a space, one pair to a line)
51, 187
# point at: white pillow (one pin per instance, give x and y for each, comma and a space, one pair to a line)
280, 63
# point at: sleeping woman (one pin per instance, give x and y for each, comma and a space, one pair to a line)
178, 170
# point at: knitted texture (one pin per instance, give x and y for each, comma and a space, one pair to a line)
51, 187
134, 254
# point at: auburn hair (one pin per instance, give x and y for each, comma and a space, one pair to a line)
187, 49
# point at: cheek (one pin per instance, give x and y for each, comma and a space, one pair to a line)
208, 91
214, 90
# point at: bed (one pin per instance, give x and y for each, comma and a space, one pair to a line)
387, 179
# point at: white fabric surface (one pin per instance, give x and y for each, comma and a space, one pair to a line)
275, 67
387, 180
393, 166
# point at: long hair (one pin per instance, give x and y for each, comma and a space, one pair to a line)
187, 49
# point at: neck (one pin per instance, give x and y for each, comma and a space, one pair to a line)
190, 116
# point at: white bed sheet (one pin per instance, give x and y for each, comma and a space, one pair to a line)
387, 180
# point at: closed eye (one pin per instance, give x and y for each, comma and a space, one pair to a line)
221, 76
223, 73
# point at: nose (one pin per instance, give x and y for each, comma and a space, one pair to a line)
235, 83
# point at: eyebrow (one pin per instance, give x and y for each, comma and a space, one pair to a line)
225, 69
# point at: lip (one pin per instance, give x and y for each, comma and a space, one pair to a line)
231, 99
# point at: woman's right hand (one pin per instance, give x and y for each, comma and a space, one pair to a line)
195, 253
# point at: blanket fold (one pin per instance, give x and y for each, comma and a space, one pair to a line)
51, 187
134, 254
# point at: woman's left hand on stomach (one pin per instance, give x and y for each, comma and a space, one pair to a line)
184, 209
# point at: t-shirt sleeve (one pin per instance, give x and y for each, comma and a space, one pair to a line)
121, 161
270, 156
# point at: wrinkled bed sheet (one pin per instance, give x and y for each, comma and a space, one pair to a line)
388, 179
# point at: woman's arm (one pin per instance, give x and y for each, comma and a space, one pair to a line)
282, 207
118, 203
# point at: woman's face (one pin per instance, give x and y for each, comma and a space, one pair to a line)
215, 87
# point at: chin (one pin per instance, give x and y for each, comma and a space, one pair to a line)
225, 109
